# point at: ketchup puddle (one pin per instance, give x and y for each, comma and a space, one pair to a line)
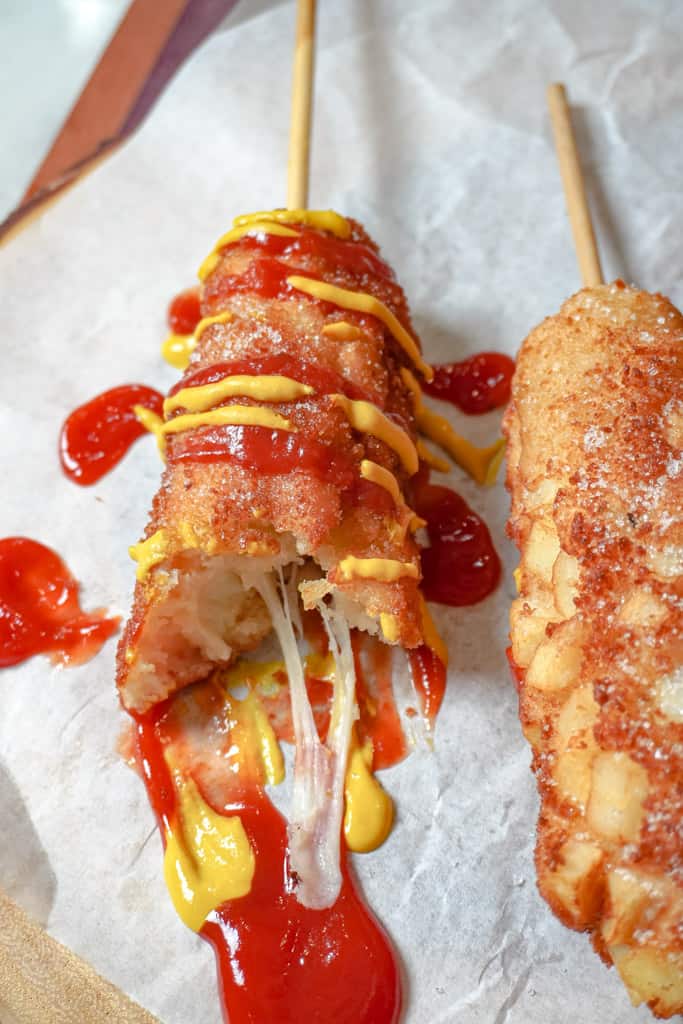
277, 960
475, 385
39, 608
96, 436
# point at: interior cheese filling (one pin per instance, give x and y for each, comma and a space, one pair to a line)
314, 829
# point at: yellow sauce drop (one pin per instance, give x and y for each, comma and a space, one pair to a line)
150, 552
386, 570
368, 419
517, 577
340, 330
481, 463
382, 477
207, 321
432, 459
265, 388
177, 349
324, 220
369, 810
153, 423
208, 857
362, 302
231, 415
389, 626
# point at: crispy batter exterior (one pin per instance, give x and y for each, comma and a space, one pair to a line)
595, 473
250, 520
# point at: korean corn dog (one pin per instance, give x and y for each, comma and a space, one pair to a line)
595, 474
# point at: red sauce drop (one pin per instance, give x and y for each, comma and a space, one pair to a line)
39, 609
96, 436
279, 961
184, 312
475, 385
429, 678
461, 566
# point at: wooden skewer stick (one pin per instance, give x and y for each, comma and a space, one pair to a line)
575, 193
42, 982
302, 102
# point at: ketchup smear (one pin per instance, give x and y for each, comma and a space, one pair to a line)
39, 609
460, 567
475, 385
96, 436
277, 960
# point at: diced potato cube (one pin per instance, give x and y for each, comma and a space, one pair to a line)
565, 584
633, 901
527, 630
615, 806
542, 548
557, 661
543, 494
669, 694
643, 608
651, 976
577, 718
578, 882
572, 773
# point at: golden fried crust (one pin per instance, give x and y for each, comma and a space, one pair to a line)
595, 473
235, 511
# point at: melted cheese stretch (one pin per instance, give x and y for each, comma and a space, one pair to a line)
324, 220
368, 419
264, 388
386, 570
231, 415
362, 302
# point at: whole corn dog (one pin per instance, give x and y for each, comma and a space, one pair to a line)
292, 458
595, 473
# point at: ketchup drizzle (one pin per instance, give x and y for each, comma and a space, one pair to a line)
96, 436
39, 608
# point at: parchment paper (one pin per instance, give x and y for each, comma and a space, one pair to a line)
431, 128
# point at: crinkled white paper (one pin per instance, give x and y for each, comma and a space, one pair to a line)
431, 128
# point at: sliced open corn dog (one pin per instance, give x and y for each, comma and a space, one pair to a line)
595, 472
